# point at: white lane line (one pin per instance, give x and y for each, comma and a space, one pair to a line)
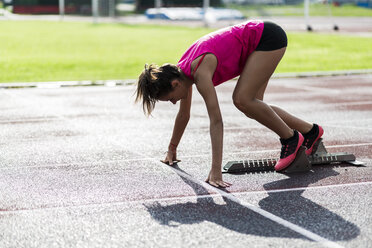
178, 198
322, 241
351, 103
29, 101
327, 91
324, 124
349, 120
350, 145
304, 188
312, 88
90, 163
109, 204
274, 150
233, 153
347, 127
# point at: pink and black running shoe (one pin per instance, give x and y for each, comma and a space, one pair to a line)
289, 150
311, 137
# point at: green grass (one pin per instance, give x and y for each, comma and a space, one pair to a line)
53, 51
326, 52
298, 10
39, 51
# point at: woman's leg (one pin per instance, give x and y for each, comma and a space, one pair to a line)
248, 96
289, 119
253, 80
292, 121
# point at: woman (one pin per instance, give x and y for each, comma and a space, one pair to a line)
252, 50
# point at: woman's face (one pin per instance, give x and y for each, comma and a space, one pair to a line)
179, 91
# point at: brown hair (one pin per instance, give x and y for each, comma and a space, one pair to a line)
155, 82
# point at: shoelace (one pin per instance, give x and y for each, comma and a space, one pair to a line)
288, 149
309, 141
284, 151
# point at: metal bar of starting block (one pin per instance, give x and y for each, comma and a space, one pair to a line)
301, 163
329, 158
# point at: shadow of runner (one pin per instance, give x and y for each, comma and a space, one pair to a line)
295, 208
290, 206
230, 215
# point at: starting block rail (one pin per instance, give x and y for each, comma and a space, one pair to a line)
302, 163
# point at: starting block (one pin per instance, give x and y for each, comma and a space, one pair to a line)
302, 162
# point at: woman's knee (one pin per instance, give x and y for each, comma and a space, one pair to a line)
260, 96
238, 102
244, 104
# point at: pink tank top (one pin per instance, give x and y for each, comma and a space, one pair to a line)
231, 46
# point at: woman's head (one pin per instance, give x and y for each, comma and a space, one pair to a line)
155, 83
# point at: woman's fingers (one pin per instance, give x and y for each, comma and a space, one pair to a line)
164, 161
223, 184
170, 161
167, 160
227, 184
213, 184
218, 183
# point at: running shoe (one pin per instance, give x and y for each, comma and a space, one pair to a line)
311, 138
289, 150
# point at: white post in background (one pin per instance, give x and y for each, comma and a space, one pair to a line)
61, 9
306, 13
205, 8
95, 11
329, 5
112, 8
158, 4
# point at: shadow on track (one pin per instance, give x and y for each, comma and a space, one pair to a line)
295, 208
290, 206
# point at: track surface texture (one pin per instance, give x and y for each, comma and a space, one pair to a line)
80, 168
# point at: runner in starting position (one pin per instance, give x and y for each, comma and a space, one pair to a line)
252, 50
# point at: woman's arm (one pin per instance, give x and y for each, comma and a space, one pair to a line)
208, 92
204, 84
182, 119
180, 124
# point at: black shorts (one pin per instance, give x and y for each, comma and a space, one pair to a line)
273, 38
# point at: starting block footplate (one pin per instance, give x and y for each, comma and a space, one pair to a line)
302, 163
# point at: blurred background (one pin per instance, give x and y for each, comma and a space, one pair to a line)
249, 8
61, 40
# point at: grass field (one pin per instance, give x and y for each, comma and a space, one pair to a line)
53, 51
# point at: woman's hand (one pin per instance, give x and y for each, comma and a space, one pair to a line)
215, 179
171, 158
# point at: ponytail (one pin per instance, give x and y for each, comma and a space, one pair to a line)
155, 82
